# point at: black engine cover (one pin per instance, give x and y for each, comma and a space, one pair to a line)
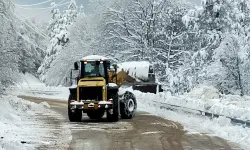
91, 93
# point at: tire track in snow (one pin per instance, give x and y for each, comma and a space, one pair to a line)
48, 131
145, 131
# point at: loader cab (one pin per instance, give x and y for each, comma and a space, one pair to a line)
93, 66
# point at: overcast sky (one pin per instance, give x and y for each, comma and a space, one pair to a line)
84, 2
28, 2
41, 15
38, 1
78, 1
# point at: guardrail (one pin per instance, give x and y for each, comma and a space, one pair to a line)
201, 113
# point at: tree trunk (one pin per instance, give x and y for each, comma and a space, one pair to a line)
239, 77
169, 51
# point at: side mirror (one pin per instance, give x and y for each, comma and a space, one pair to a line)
115, 67
76, 66
108, 64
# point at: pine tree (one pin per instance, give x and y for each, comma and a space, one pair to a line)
59, 37
59, 72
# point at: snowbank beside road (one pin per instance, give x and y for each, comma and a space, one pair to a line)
14, 115
22, 122
194, 124
206, 99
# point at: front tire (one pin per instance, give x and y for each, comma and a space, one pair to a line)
128, 106
114, 116
75, 116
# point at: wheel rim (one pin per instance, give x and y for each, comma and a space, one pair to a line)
131, 105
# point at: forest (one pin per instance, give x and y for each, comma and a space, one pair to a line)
188, 45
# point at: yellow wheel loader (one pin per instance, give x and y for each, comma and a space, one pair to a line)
96, 91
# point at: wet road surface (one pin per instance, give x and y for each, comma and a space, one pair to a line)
143, 132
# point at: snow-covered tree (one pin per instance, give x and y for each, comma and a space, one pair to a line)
145, 30
220, 27
81, 10
29, 48
20, 45
59, 34
57, 30
8, 54
228, 56
170, 37
80, 45
71, 13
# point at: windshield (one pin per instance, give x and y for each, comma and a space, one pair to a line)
93, 69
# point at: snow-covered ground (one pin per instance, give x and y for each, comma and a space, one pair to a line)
13, 111
193, 124
31, 86
21, 124
203, 98
207, 99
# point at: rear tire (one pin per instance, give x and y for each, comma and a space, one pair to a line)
128, 106
114, 117
74, 116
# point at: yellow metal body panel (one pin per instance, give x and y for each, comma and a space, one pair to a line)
120, 78
93, 82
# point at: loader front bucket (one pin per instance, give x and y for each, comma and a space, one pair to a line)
148, 87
